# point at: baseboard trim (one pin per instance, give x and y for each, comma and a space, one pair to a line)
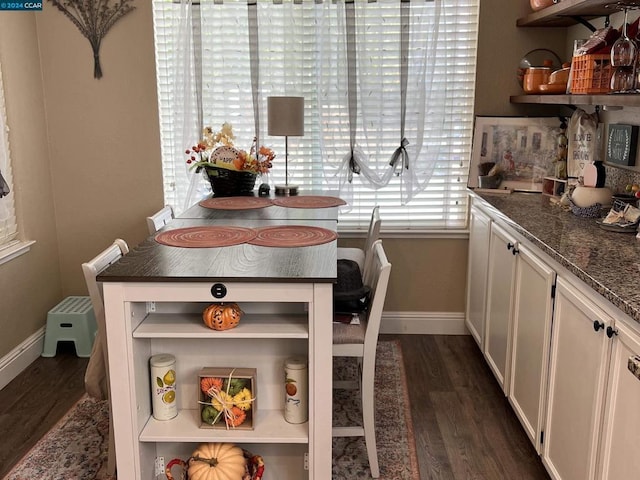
424, 323
18, 359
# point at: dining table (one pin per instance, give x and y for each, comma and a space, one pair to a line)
279, 264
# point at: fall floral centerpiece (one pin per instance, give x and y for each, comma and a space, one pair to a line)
230, 170
227, 397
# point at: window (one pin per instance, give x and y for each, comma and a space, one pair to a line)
378, 77
8, 226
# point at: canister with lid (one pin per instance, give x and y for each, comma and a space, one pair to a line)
163, 386
296, 405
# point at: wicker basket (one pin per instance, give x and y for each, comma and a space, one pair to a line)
230, 183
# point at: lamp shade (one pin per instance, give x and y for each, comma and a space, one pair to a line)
286, 116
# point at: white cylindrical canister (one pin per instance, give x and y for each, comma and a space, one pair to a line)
296, 404
163, 386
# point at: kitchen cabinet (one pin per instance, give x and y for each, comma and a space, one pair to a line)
621, 435
478, 264
530, 340
518, 326
578, 368
502, 264
567, 347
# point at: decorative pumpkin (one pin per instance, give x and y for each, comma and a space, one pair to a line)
222, 316
217, 461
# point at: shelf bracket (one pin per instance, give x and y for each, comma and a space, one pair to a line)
587, 24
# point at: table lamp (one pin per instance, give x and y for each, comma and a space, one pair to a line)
286, 119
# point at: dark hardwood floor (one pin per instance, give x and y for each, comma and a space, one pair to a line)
36, 399
464, 427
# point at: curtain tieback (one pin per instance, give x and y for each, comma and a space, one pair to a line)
400, 153
4, 187
353, 167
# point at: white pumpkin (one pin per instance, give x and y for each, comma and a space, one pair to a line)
217, 461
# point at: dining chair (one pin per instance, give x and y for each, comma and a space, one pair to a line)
357, 254
96, 377
159, 219
360, 341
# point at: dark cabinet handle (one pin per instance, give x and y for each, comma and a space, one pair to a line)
611, 332
515, 251
597, 325
510, 246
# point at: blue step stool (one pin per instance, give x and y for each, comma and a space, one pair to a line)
72, 320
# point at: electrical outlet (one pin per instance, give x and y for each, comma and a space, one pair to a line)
151, 307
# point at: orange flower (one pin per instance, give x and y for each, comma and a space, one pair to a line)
236, 417
207, 383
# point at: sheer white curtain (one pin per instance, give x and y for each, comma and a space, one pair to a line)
379, 110
8, 225
382, 89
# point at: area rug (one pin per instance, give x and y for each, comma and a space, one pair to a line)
75, 448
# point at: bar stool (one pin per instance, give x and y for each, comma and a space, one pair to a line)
73, 319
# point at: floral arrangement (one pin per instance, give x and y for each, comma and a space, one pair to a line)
217, 149
226, 398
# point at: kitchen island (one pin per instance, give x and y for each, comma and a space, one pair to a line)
154, 298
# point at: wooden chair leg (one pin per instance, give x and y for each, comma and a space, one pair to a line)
368, 415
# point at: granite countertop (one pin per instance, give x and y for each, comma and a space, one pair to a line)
609, 262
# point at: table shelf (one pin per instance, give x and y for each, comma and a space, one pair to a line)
270, 427
189, 325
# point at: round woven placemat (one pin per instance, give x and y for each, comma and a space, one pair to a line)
205, 237
236, 203
309, 201
292, 236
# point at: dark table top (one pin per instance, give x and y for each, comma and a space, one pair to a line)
154, 262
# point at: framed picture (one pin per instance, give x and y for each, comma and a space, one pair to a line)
523, 147
622, 142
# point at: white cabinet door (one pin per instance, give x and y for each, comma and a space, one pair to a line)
531, 337
579, 354
479, 229
502, 263
621, 435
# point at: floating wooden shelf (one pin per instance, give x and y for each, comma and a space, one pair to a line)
619, 100
566, 13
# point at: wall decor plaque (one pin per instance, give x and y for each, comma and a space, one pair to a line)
622, 142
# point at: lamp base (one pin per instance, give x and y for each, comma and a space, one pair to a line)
286, 190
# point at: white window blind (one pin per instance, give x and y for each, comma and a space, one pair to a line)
301, 50
8, 225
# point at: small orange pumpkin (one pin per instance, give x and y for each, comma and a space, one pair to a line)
222, 316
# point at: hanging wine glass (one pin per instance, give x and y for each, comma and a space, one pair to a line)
623, 58
623, 80
624, 50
